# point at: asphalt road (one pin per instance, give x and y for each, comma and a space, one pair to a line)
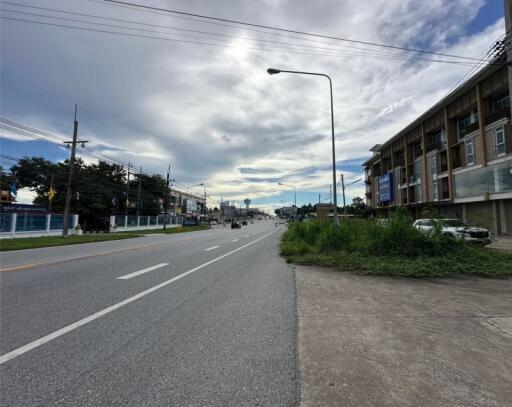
198, 319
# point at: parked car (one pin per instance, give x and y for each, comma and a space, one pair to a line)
235, 225
244, 223
455, 228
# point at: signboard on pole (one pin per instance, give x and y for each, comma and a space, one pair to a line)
191, 206
385, 187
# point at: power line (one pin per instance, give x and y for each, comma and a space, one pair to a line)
197, 42
364, 51
245, 23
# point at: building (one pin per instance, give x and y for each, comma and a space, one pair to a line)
288, 212
455, 160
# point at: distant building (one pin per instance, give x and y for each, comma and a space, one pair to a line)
288, 212
455, 159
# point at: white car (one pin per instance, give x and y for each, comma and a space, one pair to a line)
455, 228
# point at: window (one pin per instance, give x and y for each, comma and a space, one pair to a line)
433, 163
498, 103
417, 171
435, 194
470, 152
464, 122
500, 141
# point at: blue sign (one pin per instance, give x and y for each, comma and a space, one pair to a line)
385, 187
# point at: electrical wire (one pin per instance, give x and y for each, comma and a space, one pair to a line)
245, 23
364, 51
196, 42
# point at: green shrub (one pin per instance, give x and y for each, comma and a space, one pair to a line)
394, 248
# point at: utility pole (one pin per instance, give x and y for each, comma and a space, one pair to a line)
508, 39
138, 192
319, 201
343, 188
205, 209
65, 225
330, 193
127, 191
167, 197
50, 193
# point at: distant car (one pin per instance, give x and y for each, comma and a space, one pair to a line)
244, 223
235, 225
214, 222
455, 228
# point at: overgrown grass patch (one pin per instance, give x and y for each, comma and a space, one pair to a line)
392, 249
48, 241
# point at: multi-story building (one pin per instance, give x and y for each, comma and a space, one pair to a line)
454, 160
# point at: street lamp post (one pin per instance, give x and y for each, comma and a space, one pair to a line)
273, 71
294, 195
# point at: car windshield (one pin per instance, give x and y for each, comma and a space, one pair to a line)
452, 223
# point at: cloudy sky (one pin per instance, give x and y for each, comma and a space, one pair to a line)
210, 110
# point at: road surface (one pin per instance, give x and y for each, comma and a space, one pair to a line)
203, 318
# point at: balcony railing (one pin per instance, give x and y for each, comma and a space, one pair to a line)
497, 115
437, 145
468, 130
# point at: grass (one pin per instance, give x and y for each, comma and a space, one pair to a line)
168, 231
49, 241
394, 249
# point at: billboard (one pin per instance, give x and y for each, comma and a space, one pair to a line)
385, 187
191, 206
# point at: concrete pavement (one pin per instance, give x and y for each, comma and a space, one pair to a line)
375, 341
215, 324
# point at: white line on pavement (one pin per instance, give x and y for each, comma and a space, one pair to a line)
41, 341
235, 240
247, 236
138, 273
211, 248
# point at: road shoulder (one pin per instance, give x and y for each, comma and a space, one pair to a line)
367, 341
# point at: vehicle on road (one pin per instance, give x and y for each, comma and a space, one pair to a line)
244, 223
235, 225
455, 228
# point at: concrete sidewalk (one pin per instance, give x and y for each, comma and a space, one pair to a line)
370, 341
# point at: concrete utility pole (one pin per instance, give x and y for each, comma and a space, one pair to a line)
127, 191
508, 38
167, 197
65, 225
138, 192
343, 189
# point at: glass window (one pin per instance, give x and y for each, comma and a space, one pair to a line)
433, 163
465, 122
470, 152
498, 103
500, 141
435, 194
417, 171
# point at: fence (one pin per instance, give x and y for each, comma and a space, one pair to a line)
19, 224
120, 223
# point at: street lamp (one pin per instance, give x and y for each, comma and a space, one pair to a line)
195, 185
343, 186
294, 191
273, 71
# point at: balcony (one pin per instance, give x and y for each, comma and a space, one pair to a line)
497, 115
437, 145
468, 130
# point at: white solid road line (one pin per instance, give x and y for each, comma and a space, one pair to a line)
138, 273
41, 341
211, 248
235, 240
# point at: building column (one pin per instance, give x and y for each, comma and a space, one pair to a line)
14, 219
503, 217
48, 223
481, 112
423, 168
449, 140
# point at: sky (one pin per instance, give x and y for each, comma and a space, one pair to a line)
211, 111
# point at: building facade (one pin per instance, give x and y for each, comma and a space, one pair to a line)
455, 160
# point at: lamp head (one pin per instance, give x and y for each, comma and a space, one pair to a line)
273, 71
